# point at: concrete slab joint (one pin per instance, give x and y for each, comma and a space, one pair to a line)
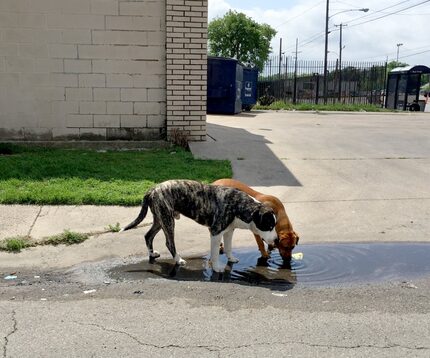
95, 70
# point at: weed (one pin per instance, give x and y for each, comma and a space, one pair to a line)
114, 228
15, 244
179, 138
66, 238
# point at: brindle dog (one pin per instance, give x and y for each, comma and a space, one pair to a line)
219, 208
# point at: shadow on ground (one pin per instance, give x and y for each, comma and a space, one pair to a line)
252, 159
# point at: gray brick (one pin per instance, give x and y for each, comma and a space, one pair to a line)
79, 94
133, 121
134, 94
92, 107
119, 108
77, 66
106, 120
79, 120
106, 94
92, 80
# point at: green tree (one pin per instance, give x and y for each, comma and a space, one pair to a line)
237, 36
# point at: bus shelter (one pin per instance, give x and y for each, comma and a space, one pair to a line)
403, 88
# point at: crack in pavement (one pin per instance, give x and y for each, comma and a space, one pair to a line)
220, 349
34, 221
14, 330
359, 346
208, 348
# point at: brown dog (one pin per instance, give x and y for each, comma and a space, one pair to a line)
287, 237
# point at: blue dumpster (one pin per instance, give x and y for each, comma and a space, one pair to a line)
224, 85
249, 88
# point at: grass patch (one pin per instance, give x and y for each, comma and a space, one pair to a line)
15, 244
114, 228
83, 177
65, 238
19, 243
278, 105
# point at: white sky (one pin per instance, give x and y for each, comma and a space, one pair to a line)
372, 41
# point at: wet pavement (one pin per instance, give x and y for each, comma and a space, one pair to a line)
322, 265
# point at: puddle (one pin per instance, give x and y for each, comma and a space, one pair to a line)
322, 265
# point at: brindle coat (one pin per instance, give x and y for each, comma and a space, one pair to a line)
221, 209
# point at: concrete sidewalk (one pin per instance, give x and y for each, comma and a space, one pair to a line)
39, 222
342, 178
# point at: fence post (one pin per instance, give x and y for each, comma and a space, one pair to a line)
318, 87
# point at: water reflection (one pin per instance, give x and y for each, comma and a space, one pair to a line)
322, 265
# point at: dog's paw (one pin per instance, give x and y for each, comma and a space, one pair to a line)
154, 254
233, 259
266, 254
180, 261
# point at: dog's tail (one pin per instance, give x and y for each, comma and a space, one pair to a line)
142, 214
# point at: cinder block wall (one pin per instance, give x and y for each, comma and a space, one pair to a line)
96, 69
186, 56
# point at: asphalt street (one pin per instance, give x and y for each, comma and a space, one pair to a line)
343, 178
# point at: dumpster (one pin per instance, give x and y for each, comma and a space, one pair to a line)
249, 88
224, 85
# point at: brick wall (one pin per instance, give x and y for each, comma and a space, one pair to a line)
82, 69
186, 66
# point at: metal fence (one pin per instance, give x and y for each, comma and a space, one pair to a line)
302, 81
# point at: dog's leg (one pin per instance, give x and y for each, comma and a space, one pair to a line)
228, 238
214, 260
149, 238
168, 226
261, 247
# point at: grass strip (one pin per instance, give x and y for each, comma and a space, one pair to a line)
83, 177
65, 238
15, 244
281, 105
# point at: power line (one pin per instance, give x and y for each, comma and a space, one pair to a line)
378, 11
301, 14
404, 50
414, 54
315, 37
392, 13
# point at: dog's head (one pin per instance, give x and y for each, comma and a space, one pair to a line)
264, 222
286, 242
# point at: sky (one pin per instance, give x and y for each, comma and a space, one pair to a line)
364, 38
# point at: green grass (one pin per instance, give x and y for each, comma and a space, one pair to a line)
278, 105
76, 177
15, 244
65, 238
114, 228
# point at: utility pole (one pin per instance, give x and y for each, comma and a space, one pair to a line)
340, 57
325, 53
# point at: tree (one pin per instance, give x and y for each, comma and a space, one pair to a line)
394, 64
237, 36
